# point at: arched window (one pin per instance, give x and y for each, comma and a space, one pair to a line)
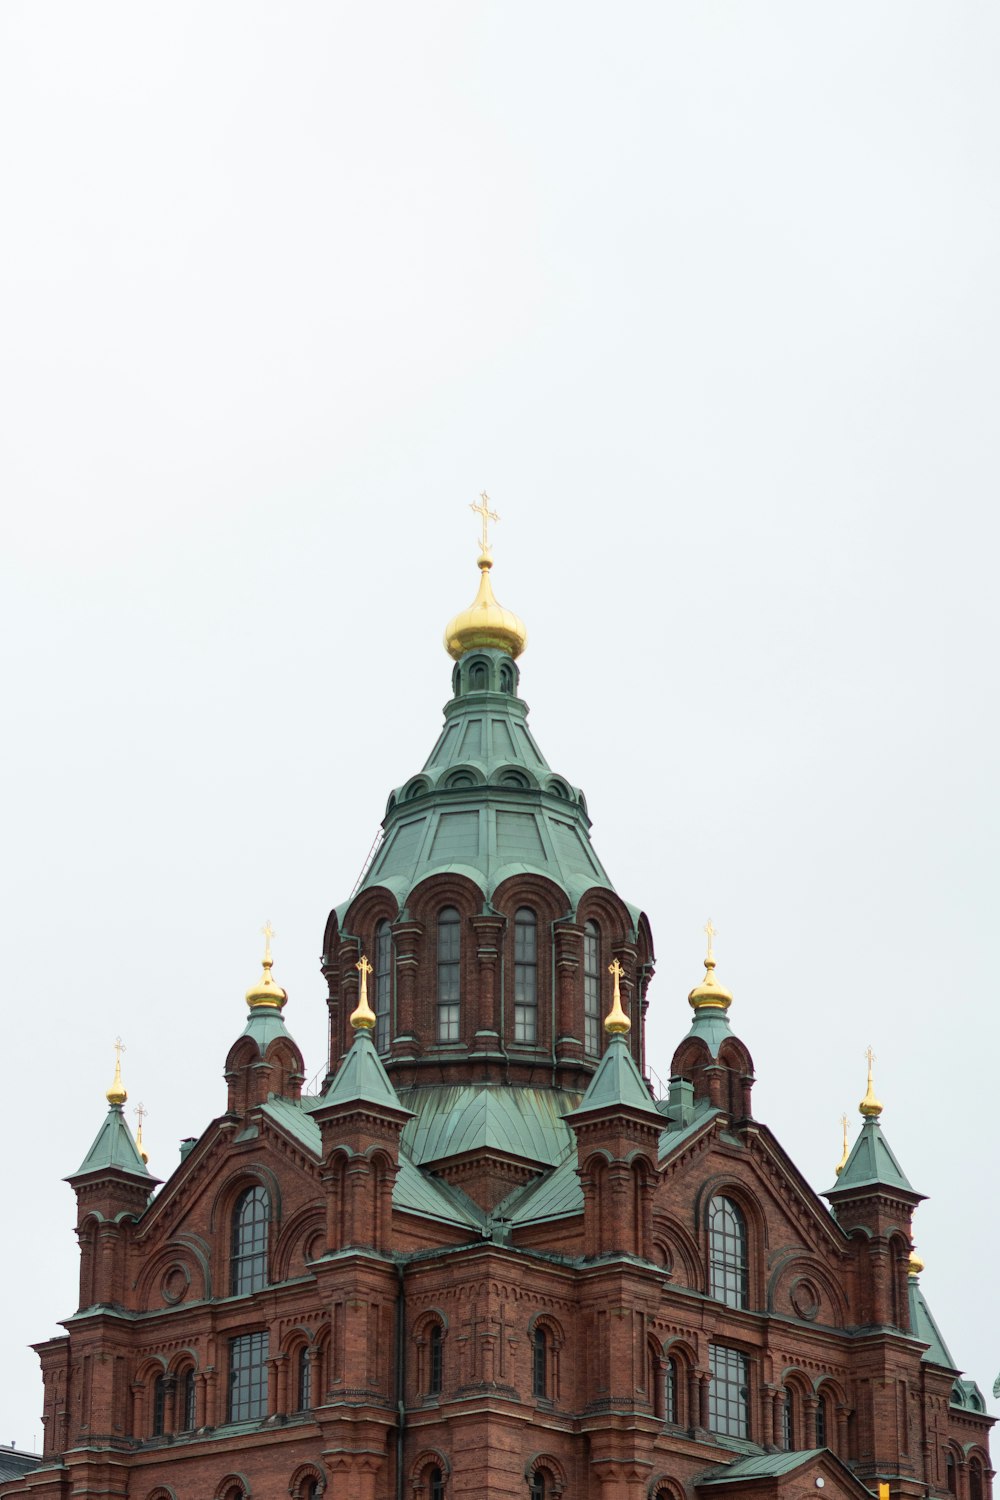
248, 1377
540, 1363
592, 989
304, 1379
525, 975
729, 1391
821, 1422
539, 1489
950, 1473
449, 955
670, 1383
506, 678
975, 1480
788, 1422
249, 1252
383, 985
187, 1398
311, 1490
478, 678
436, 1485
435, 1363
159, 1404
727, 1253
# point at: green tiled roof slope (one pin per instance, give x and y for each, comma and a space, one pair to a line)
114, 1150
872, 1163
523, 1122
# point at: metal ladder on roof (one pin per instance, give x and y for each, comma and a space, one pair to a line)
376, 845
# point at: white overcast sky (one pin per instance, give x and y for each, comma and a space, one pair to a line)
706, 296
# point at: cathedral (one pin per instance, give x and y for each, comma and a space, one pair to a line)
485, 1259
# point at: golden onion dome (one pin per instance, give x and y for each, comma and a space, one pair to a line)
870, 1106
916, 1265
617, 1023
709, 995
363, 1018
116, 1094
485, 623
266, 994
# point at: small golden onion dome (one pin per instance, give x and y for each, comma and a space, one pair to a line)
141, 1113
870, 1106
363, 1017
485, 623
266, 994
916, 1265
617, 1022
117, 1094
846, 1153
709, 995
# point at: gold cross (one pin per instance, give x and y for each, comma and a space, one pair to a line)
140, 1113
708, 927
869, 1054
119, 1049
268, 933
364, 968
483, 509
615, 969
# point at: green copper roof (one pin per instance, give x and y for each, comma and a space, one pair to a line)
113, 1150
557, 1196
522, 1122
924, 1328
617, 1083
361, 1078
759, 1466
712, 1026
486, 804
871, 1164
265, 1024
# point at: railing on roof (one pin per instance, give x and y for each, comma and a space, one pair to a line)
660, 1089
376, 843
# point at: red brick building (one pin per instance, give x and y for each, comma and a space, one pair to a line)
484, 1261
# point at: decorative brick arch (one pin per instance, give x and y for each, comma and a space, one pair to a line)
546, 1463
301, 1477
293, 1241
665, 1488
162, 1492
420, 1470
232, 1487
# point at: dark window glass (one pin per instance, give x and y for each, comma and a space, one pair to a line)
248, 1378
670, 1391
821, 1423
436, 1369
729, 1392
949, 1470
975, 1481
477, 677
305, 1379
449, 954
310, 1490
187, 1403
383, 985
525, 975
250, 1242
537, 1491
540, 1363
727, 1253
592, 989
437, 1485
788, 1420
506, 679
159, 1404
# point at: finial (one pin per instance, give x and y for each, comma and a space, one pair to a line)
483, 510
363, 1017
617, 1022
915, 1264
843, 1160
116, 1094
870, 1106
140, 1113
485, 624
709, 995
265, 994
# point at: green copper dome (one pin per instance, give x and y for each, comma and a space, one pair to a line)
486, 804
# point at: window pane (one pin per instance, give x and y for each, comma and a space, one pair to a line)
436, 1361
525, 975
727, 1248
248, 1378
670, 1391
449, 952
305, 1379
188, 1401
729, 1392
591, 989
249, 1257
821, 1425
383, 985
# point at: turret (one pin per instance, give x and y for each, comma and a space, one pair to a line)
711, 1059
265, 1060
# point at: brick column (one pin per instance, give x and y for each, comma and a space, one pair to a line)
489, 936
406, 938
569, 991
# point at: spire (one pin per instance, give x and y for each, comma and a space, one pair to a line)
363, 1017
843, 1160
617, 1022
140, 1113
485, 623
265, 994
709, 995
870, 1106
116, 1094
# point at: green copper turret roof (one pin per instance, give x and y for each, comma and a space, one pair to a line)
872, 1163
486, 803
361, 1079
924, 1328
114, 1150
617, 1084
